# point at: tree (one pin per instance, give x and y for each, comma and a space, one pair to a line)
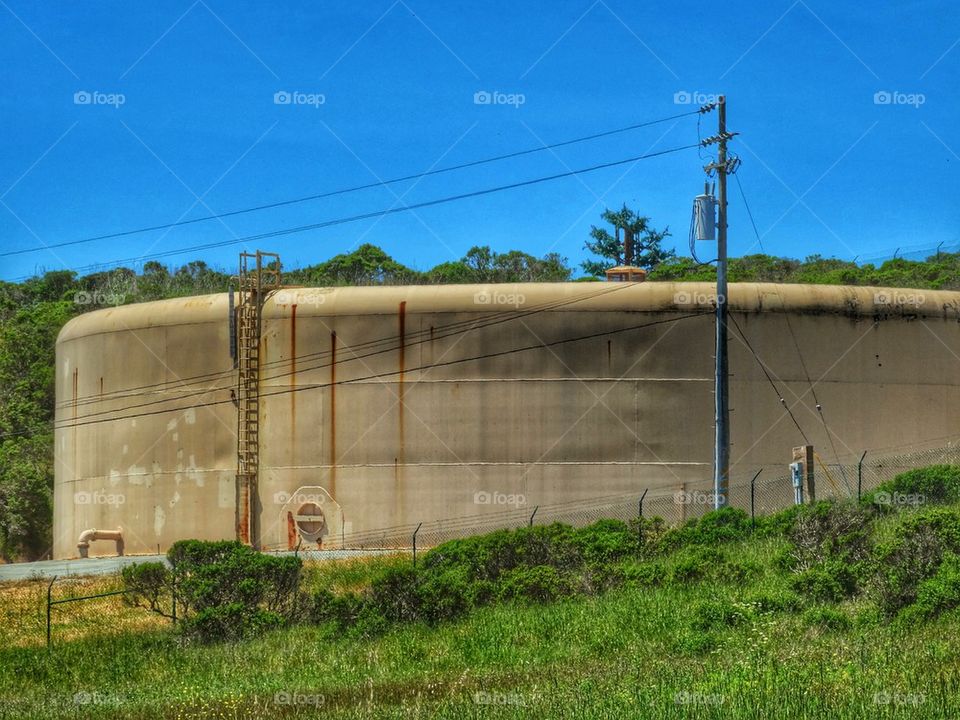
647, 242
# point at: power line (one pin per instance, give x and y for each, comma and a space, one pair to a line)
356, 188
437, 332
763, 367
381, 213
378, 376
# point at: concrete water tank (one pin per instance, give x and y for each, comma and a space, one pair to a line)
388, 406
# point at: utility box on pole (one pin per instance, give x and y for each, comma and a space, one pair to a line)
803, 456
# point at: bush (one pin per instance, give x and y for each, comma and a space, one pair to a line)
445, 595
913, 555
776, 600
694, 564
827, 618
487, 557
828, 582
933, 484
150, 585
646, 574
539, 584
939, 593
717, 526
712, 614
225, 590
606, 541
830, 530
394, 594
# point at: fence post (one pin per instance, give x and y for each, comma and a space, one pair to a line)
415, 544
49, 606
753, 522
860, 474
173, 595
640, 507
530, 524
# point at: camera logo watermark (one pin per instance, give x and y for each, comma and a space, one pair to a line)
98, 497
899, 499
498, 298
283, 498
95, 97
685, 697
482, 497
286, 297
294, 697
697, 497
314, 100
684, 97
96, 698
894, 297
498, 698
899, 699
98, 297
685, 297
895, 97
482, 97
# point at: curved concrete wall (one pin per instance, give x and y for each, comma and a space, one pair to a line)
389, 406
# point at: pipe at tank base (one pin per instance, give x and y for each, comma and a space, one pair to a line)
88, 536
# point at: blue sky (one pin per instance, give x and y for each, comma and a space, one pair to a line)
828, 166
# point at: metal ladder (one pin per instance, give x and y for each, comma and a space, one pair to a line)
256, 278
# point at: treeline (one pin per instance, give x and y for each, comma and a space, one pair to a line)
32, 313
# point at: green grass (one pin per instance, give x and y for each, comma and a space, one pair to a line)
731, 645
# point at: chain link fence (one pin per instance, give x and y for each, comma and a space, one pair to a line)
44, 611
73, 607
765, 491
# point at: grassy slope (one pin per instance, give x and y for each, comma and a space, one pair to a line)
629, 653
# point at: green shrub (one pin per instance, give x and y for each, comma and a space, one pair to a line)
828, 582
487, 557
779, 524
445, 595
645, 574
717, 526
773, 600
394, 594
606, 541
913, 554
342, 610
540, 584
830, 530
713, 614
150, 585
936, 484
225, 590
695, 563
939, 593
826, 617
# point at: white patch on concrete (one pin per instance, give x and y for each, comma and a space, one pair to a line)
136, 475
172, 425
190, 416
124, 451
175, 500
114, 478
176, 436
159, 518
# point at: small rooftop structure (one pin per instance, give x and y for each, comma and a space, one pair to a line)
626, 273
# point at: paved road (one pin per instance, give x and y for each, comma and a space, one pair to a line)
109, 565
